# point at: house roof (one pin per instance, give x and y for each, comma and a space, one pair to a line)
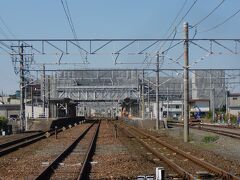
10, 107
234, 95
195, 100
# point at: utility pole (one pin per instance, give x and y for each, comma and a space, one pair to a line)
49, 97
44, 90
167, 103
186, 84
148, 98
213, 104
212, 97
157, 92
32, 101
227, 103
143, 102
22, 89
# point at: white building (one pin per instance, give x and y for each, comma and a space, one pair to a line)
171, 108
233, 104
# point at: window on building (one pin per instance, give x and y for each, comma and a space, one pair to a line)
177, 106
235, 98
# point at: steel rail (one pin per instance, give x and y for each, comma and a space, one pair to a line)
22, 143
220, 126
83, 171
14, 145
221, 132
216, 131
216, 170
184, 174
47, 172
10, 143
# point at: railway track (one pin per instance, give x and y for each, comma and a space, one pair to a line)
184, 164
72, 163
208, 128
13, 145
217, 131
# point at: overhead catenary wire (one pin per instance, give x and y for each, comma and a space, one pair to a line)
175, 29
70, 22
176, 17
7, 28
69, 18
3, 32
181, 20
220, 24
209, 14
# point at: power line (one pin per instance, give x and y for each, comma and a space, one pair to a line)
69, 19
175, 29
203, 19
6, 26
70, 22
218, 25
179, 12
3, 33
193, 4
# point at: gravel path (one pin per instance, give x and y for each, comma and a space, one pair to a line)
119, 158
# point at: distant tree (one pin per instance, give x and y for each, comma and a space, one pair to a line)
209, 115
223, 109
3, 122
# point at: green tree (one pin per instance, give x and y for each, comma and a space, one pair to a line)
3, 122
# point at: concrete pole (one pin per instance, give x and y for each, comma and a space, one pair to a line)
49, 97
22, 90
143, 102
148, 98
32, 101
227, 102
212, 101
167, 103
213, 104
44, 90
139, 95
157, 92
186, 85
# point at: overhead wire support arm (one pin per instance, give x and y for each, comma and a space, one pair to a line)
55, 46
100, 47
28, 45
71, 41
201, 47
115, 61
223, 46
66, 47
141, 52
172, 46
124, 47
